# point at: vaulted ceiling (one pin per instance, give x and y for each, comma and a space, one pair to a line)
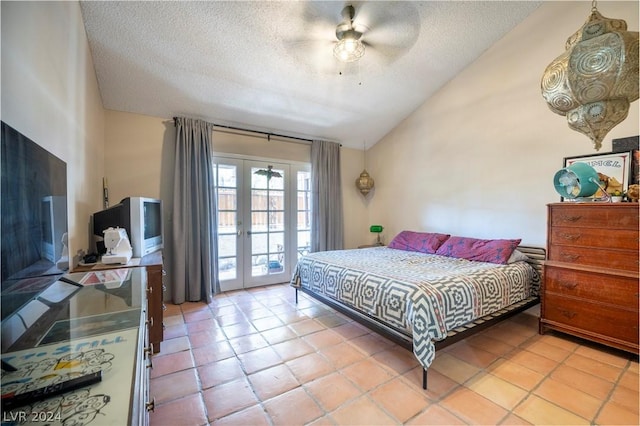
269, 65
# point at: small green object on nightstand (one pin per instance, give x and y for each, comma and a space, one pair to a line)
377, 229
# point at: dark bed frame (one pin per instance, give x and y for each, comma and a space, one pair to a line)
537, 256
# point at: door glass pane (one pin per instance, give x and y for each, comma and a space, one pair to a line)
226, 245
267, 220
258, 180
227, 176
276, 242
259, 199
304, 202
227, 199
259, 265
259, 242
227, 268
226, 222
276, 221
277, 182
303, 214
304, 243
227, 203
276, 200
276, 263
259, 221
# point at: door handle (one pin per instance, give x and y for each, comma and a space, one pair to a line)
248, 232
240, 233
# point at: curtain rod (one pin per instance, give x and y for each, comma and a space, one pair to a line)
268, 134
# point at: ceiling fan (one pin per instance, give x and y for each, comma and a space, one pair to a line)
349, 47
387, 30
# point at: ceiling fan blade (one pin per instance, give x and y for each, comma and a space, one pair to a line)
391, 31
318, 12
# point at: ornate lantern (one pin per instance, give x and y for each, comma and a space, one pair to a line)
364, 183
596, 79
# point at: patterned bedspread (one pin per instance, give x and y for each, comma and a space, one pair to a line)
423, 295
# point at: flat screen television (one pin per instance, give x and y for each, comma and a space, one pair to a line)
33, 203
142, 219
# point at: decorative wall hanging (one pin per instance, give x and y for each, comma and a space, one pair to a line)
593, 82
269, 173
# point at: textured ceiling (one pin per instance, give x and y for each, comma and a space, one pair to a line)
269, 66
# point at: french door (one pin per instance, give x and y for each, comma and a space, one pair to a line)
264, 220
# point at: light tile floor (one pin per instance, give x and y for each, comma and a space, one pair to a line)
254, 357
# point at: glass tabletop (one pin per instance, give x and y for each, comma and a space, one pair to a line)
77, 305
83, 329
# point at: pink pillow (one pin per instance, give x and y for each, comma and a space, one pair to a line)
494, 251
424, 242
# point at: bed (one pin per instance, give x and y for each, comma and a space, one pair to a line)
425, 294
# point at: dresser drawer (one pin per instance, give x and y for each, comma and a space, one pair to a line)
626, 260
606, 215
599, 287
594, 237
599, 319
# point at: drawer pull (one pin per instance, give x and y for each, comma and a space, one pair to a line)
567, 285
570, 257
568, 314
570, 218
571, 237
151, 405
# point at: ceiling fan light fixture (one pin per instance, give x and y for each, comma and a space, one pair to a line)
348, 49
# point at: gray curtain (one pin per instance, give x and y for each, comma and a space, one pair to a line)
195, 247
326, 197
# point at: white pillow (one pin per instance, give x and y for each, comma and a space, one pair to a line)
517, 256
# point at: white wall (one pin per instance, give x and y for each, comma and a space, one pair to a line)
50, 94
478, 158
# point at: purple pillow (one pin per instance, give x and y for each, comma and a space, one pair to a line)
424, 242
494, 251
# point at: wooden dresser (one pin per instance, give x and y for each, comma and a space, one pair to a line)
590, 287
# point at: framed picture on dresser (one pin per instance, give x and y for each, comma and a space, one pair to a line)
630, 143
614, 168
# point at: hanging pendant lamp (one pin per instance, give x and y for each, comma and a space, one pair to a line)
364, 183
596, 79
